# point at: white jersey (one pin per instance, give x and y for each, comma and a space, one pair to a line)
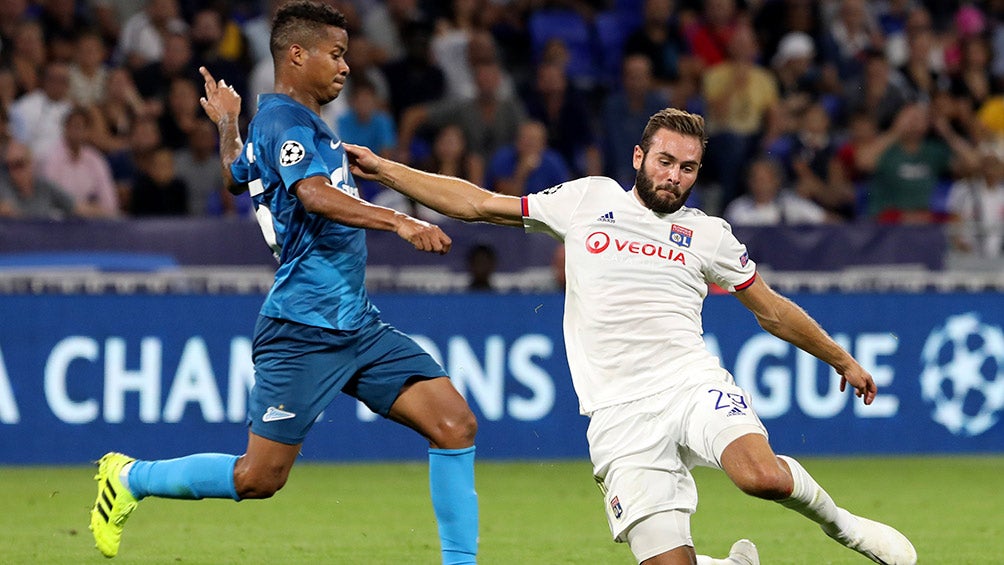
636, 283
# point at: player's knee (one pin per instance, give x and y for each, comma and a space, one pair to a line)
769, 482
455, 431
259, 483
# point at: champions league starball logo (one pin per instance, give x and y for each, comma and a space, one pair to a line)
963, 374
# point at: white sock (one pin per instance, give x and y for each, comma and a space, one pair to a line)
124, 475
810, 500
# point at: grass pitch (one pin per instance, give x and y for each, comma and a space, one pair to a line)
531, 513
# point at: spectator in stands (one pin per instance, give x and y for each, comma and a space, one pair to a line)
154, 79
366, 122
558, 267
972, 82
26, 56
855, 32
257, 30
709, 36
8, 90
158, 191
799, 80
23, 194
181, 111
489, 120
110, 15
924, 62
37, 117
880, 90
129, 162
625, 113
115, 113
218, 44
413, 78
742, 100
528, 165
80, 170
661, 41
907, 165
12, 13
451, 156
451, 44
565, 113
385, 25
482, 261
88, 75
142, 38
807, 158
198, 167
61, 22
976, 207
847, 179
766, 201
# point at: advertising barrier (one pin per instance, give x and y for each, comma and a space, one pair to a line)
164, 376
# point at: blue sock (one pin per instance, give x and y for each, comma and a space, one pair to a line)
455, 502
205, 475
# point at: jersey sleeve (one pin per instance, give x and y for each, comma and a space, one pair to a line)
550, 211
730, 266
287, 145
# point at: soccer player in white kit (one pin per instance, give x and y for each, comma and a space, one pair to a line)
638, 265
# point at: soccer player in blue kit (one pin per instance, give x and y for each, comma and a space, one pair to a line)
317, 334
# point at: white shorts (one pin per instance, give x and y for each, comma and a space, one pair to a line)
642, 451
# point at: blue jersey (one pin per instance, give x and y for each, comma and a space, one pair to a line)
322, 264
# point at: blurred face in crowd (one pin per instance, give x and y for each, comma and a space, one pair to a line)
161, 168
637, 75
450, 144
203, 140
76, 130
177, 52
764, 181
56, 82
90, 51
18, 163
531, 139
667, 171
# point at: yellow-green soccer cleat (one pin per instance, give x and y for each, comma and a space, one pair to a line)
113, 506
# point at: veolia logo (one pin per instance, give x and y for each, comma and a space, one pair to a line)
597, 242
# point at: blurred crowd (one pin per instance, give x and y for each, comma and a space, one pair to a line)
828, 111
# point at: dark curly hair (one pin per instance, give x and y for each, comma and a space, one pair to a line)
301, 21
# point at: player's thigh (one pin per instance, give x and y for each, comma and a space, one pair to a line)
662, 539
718, 414
636, 459
299, 370
435, 409
389, 362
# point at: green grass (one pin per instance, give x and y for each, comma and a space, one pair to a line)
531, 512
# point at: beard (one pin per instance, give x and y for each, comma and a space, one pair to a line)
652, 197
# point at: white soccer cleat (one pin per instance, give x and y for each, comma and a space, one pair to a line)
743, 552
878, 542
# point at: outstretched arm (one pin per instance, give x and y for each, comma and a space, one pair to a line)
784, 319
451, 196
223, 105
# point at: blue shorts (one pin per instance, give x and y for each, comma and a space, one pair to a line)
300, 369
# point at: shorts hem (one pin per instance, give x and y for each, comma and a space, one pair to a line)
728, 435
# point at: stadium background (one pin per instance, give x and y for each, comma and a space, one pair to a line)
138, 328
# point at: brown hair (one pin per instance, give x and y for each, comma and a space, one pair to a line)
676, 120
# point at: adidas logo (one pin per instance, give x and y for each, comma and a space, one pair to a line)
735, 412
608, 217
274, 414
